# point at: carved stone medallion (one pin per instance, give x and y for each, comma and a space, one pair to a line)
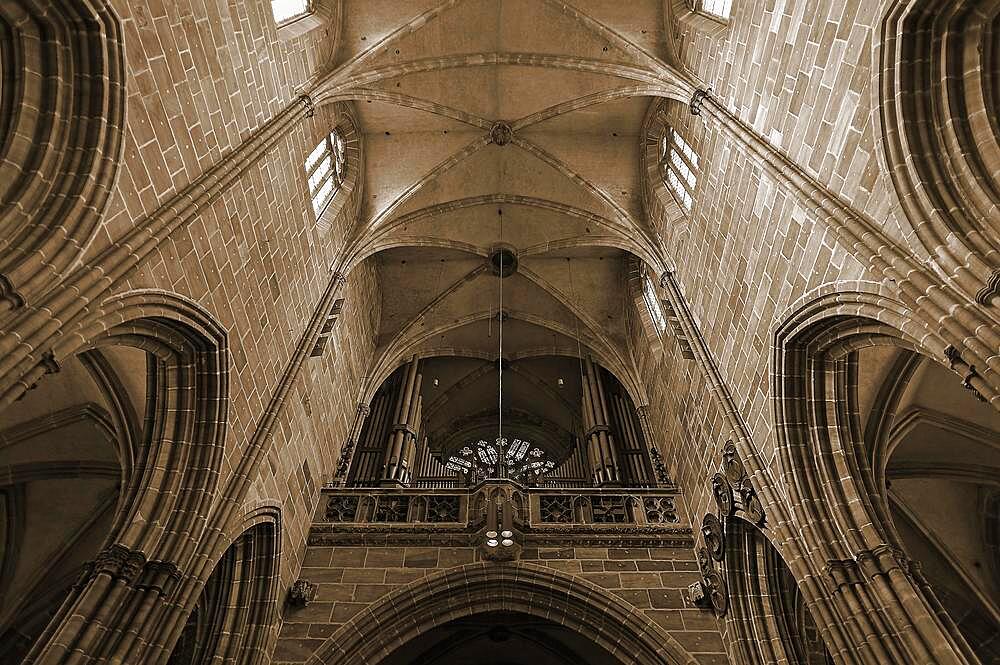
718, 595
501, 133
751, 504
723, 494
711, 529
731, 464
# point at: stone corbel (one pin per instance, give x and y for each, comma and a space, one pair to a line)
302, 592
9, 295
990, 290
307, 103
841, 573
881, 560
968, 372
698, 98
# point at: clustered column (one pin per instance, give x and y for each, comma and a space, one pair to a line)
401, 446
600, 446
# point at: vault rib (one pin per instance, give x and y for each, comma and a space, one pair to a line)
486, 59
441, 167
408, 101
413, 25
595, 99
564, 168
602, 30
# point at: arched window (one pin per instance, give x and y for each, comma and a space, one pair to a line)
286, 11
717, 8
326, 167
653, 305
679, 162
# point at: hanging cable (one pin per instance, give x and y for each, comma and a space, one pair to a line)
500, 465
579, 347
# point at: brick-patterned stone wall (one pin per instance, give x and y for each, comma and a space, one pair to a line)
801, 73
350, 578
202, 78
750, 248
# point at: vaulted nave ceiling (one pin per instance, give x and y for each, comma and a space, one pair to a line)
531, 108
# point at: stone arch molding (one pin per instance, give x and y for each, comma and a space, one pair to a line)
831, 488
483, 587
166, 501
939, 95
236, 592
62, 109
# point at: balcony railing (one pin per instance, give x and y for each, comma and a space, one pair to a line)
533, 508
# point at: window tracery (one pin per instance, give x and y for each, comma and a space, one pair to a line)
523, 461
326, 167
679, 162
286, 11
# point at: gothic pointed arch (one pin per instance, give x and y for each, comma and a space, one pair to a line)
828, 463
233, 617
769, 616
937, 92
174, 467
62, 109
526, 588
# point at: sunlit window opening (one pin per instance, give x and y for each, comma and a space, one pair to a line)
680, 164
720, 8
653, 305
288, 10
326, 167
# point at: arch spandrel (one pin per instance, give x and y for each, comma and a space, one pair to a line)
526, 588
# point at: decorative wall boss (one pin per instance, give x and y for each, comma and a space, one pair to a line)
302, 593
734, 495
733, 492
711, 592
501, 133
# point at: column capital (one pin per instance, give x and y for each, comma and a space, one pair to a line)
698, 98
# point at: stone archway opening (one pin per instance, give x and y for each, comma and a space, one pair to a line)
501, 638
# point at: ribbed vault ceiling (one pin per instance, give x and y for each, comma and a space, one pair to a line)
431, 83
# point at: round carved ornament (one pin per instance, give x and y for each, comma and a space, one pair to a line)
715, 589
501, 133
752, 506
723, 494
711, 530
704, 561
731, 464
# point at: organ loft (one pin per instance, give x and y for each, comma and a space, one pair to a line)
500, 332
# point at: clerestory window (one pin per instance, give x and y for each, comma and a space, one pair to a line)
286, 11
653, 305
326, 167
717, 8
679, 162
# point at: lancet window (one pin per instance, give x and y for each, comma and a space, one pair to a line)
679, 162
326, 167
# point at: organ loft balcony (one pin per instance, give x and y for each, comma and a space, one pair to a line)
500, 517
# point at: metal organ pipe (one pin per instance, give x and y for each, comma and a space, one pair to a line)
600, 445
401, 446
